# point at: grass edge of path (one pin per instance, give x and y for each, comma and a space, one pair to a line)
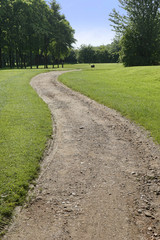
18, 117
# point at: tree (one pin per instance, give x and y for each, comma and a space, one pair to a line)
63, 36
102, 54
22, 21
86, 54
72, 57
29, 29
3, 17
114, 50
140, 31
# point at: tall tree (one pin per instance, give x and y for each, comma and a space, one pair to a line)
28, 28
63, 35
140, 31
102, 55
86, 54
72, 57
114, 50
22, 16
5, 14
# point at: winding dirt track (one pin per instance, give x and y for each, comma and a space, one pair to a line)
99, 178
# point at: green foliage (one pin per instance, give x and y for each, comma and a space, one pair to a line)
27, 28
86, 54
101, 54
25, 126
114, 50
129, 55
135, 92
62, 43
140, 31
72, 57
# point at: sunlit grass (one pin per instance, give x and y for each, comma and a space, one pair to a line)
25, 126
25, 121
135, 92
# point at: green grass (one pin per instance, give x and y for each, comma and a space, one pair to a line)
25, 126
25, 120
135, 91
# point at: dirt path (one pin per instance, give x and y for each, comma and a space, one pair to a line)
99, 178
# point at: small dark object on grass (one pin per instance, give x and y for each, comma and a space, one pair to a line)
92, 66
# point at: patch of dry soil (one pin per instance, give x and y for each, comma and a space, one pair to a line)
100, 177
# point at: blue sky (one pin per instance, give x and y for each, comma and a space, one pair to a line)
89, 19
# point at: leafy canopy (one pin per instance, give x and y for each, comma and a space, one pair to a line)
139, 28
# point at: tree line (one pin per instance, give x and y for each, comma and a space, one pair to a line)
102, 54
33, 33
139, 30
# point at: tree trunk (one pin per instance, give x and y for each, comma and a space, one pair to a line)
30, 58
21, 63
21, 60
46, 61
0, 57
1, 50
37, 60
17, 59
24, 61
45, 52
53, 60
10, 58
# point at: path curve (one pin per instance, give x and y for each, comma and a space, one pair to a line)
99, 178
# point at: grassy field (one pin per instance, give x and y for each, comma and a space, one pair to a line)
25, 120
25, 126
134, 91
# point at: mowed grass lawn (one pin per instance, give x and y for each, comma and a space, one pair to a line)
25, 126
25, 120
134, 91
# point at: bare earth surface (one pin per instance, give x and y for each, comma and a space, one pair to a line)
100, 177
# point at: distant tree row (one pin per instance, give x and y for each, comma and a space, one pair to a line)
33, 33
89, 54
139, 29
